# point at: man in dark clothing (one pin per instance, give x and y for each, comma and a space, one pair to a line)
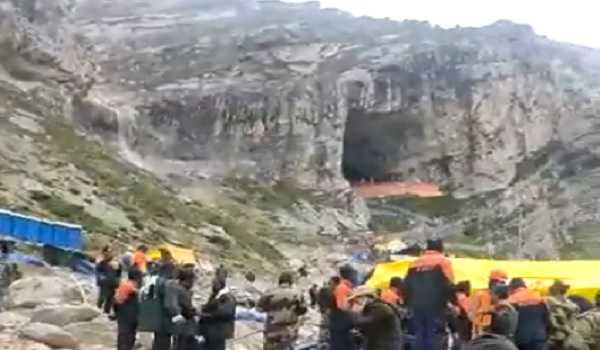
497, 336
217, 322
428, 291
326, 303
376, 320
163, 335
108, 275
178, 302
127, 308
534, 317
460, 322
177, 312
325, 298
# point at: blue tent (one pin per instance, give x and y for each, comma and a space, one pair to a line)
34, 230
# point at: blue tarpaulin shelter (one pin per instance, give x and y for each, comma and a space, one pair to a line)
35, 230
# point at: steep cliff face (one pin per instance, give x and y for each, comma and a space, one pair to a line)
64, 156
269, 89
295, 93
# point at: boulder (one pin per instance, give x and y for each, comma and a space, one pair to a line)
94, 333
11, 341
62, 315
43, 290
11, 320
50, 335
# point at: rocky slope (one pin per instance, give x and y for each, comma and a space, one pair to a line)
48, 309
60, 158
198, 91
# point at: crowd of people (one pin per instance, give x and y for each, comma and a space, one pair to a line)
157, 298
429, 310
424, 310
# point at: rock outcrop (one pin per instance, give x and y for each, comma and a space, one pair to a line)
272, 91
50, 335
42, 290
63, 315
94, 333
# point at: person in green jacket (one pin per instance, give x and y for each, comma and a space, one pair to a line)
586, 335
562, 314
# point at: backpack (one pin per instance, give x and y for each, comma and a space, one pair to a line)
151, 311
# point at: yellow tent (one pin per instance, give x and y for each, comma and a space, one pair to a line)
582, 275
180, 255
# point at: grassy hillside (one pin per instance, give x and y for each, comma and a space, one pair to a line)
49, 170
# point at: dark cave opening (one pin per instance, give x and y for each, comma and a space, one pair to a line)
375, 145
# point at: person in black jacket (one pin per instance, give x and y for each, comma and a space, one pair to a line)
127, 309
108, 275
428, 290
534, 316
177, 312
217, 321
178, 302
326, 303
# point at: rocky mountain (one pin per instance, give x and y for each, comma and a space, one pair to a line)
199, 92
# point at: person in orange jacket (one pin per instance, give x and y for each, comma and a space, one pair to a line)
140, 258
481, 306
340, 322
394, 295
428, 290
127, 309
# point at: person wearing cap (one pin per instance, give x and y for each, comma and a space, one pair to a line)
340, 323
562, 314
393, 294
498, 335
481, 306
283, 306
428, 290
217, 322
534, 317
376, 320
